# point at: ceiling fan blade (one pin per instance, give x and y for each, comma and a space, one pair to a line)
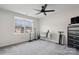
45, 6
45, 13
49, 10
38, 13
37, 10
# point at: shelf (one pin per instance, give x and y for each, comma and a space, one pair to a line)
73, 36
73, 30
71, 26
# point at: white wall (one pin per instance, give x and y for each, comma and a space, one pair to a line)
7, 28
58, 21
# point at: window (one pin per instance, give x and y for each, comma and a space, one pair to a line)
23, 25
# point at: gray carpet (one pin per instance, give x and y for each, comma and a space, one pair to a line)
38, 47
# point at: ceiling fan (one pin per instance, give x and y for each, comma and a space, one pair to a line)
43, 10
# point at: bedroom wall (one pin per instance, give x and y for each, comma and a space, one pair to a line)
58, 22
7, 28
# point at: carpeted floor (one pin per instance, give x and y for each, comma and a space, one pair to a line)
38, 47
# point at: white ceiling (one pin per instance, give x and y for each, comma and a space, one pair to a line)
28, 9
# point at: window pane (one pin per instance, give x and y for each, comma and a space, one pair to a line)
23, 25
